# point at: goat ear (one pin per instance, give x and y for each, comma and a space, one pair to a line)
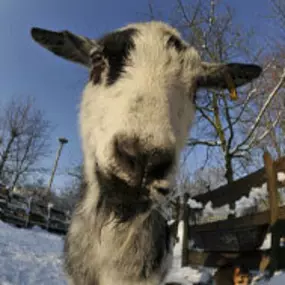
65, 44
220, 76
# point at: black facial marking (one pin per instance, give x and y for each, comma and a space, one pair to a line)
116, 48
175, 42
98, 66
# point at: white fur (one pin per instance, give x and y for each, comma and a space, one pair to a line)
153, 100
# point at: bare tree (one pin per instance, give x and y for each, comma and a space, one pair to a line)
227, 133
270, 131
25, 134
76, 173
276, 64
73, 189
279, 12
272, 124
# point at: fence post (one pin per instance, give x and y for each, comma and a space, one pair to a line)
185, 241
28, 211
271, 173
49, 206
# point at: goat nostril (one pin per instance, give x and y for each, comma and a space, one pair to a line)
127, 152
163, 191
134, 158
129, 147
160, 170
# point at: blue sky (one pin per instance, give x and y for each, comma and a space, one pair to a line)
28, 70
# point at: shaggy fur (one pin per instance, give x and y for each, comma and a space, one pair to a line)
135, 116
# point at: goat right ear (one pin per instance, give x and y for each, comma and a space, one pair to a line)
214, 75
65, 44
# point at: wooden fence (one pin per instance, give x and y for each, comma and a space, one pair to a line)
236, 241
27, 212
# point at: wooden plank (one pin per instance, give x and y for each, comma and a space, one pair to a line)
231, 192
14, 220
234, 240
57, 212
55, 220
251, 260
258, 219
37, 223
227, 235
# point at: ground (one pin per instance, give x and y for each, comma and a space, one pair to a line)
33, 257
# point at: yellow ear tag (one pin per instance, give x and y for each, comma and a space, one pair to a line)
231, 87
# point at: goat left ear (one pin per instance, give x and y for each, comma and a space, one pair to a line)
65, 44
216, 75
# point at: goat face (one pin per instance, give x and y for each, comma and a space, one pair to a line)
138, 105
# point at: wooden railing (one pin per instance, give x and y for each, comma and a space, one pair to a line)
28, 212
236, 241
234, 191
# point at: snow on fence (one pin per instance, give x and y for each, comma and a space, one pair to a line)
27, 212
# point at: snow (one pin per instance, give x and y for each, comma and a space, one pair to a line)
252, 203
185, 275
256, 201
281, 176
33, 257
210, 214
30, 257
279, 279
193, 204
267, 242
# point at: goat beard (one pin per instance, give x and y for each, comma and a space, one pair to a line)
124, 200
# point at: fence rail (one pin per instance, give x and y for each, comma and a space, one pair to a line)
27, 212
232, 192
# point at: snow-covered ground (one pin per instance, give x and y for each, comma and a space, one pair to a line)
33, 257
30, 257
186, 275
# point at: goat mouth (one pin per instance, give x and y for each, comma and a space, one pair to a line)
115, 182
135, 186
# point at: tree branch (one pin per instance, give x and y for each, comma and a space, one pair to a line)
193, 142
262, 111
255, 140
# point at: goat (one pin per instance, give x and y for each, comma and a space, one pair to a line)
135, 116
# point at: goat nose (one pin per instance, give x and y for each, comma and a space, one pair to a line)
137, 158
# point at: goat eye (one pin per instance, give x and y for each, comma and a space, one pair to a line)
175, 42
97, 67
96, 57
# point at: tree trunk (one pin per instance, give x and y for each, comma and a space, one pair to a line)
6, 154
229, 175
16, 178
229, 168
